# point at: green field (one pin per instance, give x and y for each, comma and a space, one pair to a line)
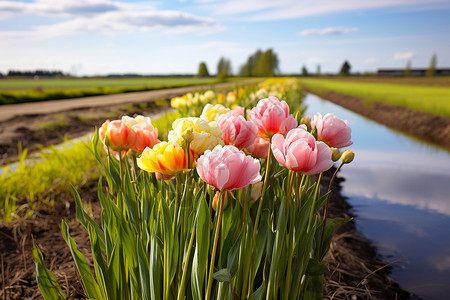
65, 83
434, 99
29, 90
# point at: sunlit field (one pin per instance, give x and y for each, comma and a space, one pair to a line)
416, 93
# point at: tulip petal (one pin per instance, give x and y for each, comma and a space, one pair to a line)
324, 161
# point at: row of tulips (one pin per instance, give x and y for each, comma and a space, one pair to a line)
197, 217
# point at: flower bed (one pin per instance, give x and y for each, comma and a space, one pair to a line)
226, 208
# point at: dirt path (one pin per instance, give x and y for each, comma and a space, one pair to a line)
48, 122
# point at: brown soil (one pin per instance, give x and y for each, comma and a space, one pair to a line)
424, 126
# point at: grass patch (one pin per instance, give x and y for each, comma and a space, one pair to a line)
59, 122
430, 99
37, 180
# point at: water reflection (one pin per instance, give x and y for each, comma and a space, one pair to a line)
400, 189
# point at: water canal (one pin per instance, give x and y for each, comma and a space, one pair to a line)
399, 189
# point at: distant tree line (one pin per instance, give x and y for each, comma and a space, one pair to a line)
39, 73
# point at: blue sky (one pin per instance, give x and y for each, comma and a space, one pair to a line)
98, 37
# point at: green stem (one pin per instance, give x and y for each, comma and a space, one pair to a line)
258, 213
290, 253
314, 202
216, 238
188, 254
266, 176
120, 204
325, 211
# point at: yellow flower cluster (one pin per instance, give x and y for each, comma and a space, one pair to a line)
191, 102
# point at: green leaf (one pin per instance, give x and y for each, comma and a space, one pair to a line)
143, 271
259, 293
223, 275
315, 268
85, 219
155, 268
101, 269
91, 286
200, 260
48, 285
314, 287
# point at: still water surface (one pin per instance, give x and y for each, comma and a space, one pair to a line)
400, 191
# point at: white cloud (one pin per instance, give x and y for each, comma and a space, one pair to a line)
403, 55
103, 15
328, 31
370, 60
288, 9
59, 8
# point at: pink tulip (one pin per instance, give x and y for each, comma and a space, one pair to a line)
332, 130
300, 152
271, 116
259, 148
117, 135
228, 168
146, 136
236, 130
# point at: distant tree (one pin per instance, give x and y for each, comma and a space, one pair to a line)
202, 70
260, 64
407, 71
318, 72
223, 68
432, 69
304, 71
345, 69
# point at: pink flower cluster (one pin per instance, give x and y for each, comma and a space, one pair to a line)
270, 126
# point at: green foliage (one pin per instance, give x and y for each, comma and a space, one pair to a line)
432, 68
427, 98
407, 71
223, 68
48, 285
263, 64
202, 70
304, 71
345, 69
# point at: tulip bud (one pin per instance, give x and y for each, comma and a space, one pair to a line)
188, 135
256, 191
335, 154
347, 157
307, 121
215, 203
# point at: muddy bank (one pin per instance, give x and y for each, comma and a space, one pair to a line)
355, 271
426, 127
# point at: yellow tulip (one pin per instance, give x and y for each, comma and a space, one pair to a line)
165, 158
